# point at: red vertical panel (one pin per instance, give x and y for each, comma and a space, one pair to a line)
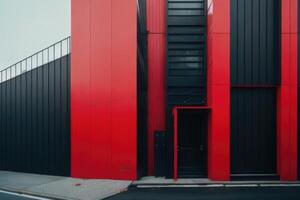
287, 95
103, 89
100, 87
156, 27
219, 11
294, 95
80, 89
285, 16
156, 14
219, 89
294, 16
156, 91
124, 89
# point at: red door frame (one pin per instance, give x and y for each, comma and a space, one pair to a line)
175, 122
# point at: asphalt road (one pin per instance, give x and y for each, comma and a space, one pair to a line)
12, 196
218, 193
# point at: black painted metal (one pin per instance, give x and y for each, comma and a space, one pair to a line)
142, 80
192, 143
159, 153
186, 61
34, 113
253, 131
169, 143
255, 42
186, 52
35, 117
255, 177
255, 61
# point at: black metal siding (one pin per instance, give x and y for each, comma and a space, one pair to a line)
159, 153
35, 120
142, 89
186, 61
255, 42
253, 131
186, 52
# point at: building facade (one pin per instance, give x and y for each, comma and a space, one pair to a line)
175, 88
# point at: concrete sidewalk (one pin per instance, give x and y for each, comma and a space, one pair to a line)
60, 187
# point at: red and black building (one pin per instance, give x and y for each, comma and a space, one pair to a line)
175, 88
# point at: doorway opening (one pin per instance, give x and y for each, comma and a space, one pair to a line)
190, 143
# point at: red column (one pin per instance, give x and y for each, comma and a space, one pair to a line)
219, 89
287, 94
103, 89
156, 17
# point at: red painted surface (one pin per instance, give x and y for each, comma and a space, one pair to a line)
103, 89
156, 26
175, 125
156, 16
287, 96
218, 48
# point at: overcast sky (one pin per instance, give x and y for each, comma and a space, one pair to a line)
27, 26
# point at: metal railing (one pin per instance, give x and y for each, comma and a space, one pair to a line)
49, 54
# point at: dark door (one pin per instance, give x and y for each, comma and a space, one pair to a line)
192, 144
253, 133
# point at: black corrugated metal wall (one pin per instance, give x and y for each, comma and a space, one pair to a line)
253, 131
255, 42
142, 81
35, 120
186, 61
255, 74
186, 37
